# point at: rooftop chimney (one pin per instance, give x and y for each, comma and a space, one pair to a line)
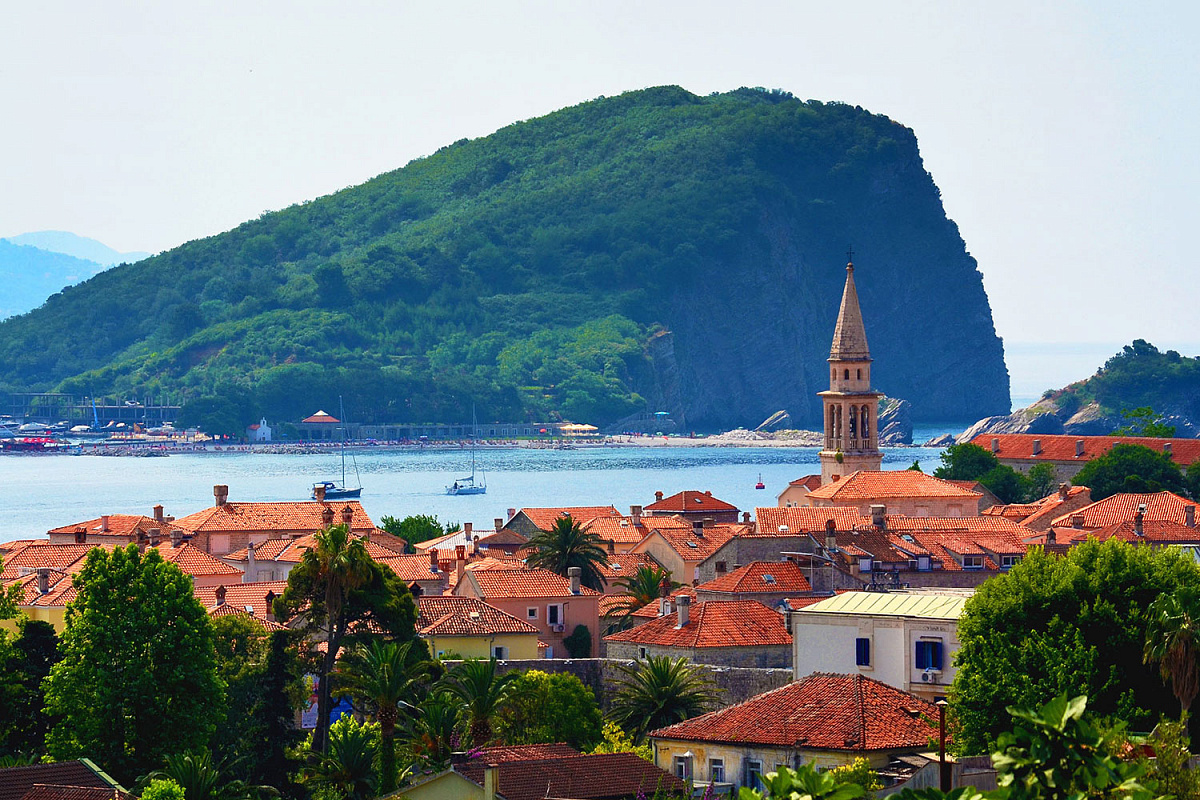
155, 535
468, 527
269, 599
512, 512
683, 604
1037, 447
498, 523
745, 517
1079, 444
830, 536
141, 539
221, 494
319, 493
491, 779
347, 515
43, 580
433, 559
1167, 448
460, 560
1189, 516
635, 513
176, 537
612, 546
251, 563
326, 517
1138, 519
574, 574
104, 518
879, 515
834, 478
1051, 537
1077, 521
158, 513
1063, 491
995, 445
220, 593
707, 522
658, 497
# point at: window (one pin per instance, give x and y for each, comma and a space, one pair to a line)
643, 652
929, 654
859, 374
864, 565
716, 770
554, 615
753, 773
531, 613
683, 767
499, 653
972, 562
1008, 561
862, 651
924, 564
846, 375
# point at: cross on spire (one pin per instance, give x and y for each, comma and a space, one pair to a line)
850, 255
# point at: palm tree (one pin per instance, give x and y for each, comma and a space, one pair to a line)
432, 733
320, 585
349, 765
386, 678
202, 779
1173, 642
482, 692
567, 545
644, 586
660, 691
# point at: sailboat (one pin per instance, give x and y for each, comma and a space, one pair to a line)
332, 489
469, 485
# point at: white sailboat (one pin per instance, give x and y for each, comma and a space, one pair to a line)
333, 489
469, 484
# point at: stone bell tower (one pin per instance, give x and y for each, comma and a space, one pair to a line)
851, 406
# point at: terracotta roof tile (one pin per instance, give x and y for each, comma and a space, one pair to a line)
544, 518
523, 582
808, 481
905, 483
194, 561
727, 623
1154, 531
293, 550
1122, 507
689, 502
16, 781
320, 418
466, 616
240, 595
55, 556
413, 568
1063, 447
821, 712
523, 752
300, 516
761, 576
503, 537
234, 611
43, 791
622, 565
118, 525
624, 775
650, 610
801, 520
691, 547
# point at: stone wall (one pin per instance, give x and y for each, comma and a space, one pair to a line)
737, 684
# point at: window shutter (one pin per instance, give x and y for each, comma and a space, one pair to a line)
936, 655
862, 652
922, 656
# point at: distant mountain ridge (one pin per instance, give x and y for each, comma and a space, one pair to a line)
72, 244
29, 275
656, 251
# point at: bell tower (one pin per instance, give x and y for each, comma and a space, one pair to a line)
851, 406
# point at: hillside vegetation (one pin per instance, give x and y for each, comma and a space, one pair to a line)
653, 251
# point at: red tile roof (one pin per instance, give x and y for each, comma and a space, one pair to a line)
466, 616
55, 556
1154, 531
16, 781
194, 561
523, 752
622, 565
1122, 507
300, 516
293, 550
692, 547
118, 525
808, 481
650, 610
544, 518
1039, 514
796, 603
1019, 446
320, 417
240, 595
906, 483
595, 777
801, 520
503, 537
41, 791
726, 623
60, 594
414, 568
689, 502
522, 582
234, 611
761, 576
821, 712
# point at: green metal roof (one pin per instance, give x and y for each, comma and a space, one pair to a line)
882, 604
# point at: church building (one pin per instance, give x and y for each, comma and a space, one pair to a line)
850, 406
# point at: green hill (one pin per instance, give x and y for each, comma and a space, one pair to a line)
655, 250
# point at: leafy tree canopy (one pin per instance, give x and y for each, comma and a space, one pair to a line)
1144, 421
1130, 468
1075, 625
970, 462
138, 660
416, 528
548, 708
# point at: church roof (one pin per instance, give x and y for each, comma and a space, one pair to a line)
850, 336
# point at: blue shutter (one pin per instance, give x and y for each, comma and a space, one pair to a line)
922, 656
936, 655
862, 652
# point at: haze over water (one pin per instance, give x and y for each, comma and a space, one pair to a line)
44, 492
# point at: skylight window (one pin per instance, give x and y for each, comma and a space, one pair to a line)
691, 544
768, 578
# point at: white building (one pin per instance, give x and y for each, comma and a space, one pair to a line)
906, 640
260, 432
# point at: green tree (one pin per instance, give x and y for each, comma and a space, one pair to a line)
615, 740
33, 653
1170, 769
1042, 481
433, 732
483, 693
163, 789
549, 707
137, 660
970, 462
1130, 468
644, 586
858, 772
1144, 421
283, 694
579, 642
241, 648
386, 678
416, 528
660, 691
567, 545
1173, 642
203, 779
349, 764
338, 586
1063, 625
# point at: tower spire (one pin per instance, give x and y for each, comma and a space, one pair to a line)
850, 335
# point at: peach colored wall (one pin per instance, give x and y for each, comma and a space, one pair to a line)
577, 610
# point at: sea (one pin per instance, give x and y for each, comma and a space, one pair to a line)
40, 492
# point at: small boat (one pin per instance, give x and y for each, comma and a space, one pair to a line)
760, 484
469, 485
331, 490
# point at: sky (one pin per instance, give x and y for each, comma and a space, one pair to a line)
1062, 135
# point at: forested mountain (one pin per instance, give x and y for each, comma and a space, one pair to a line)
28, 275
654, 250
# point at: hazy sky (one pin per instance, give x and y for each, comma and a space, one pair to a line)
1063, 136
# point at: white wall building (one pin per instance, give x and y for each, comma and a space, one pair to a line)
906, 640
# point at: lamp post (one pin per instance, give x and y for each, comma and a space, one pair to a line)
943, 767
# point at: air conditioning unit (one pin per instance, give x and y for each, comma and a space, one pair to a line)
557, 628
931, 675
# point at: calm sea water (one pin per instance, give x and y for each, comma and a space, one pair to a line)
43, 492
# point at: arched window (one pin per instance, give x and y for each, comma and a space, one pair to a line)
846, 376
860, 374
866, 422
853, 424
